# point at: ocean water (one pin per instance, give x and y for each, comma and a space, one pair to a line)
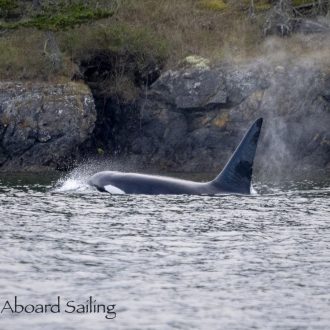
165, 262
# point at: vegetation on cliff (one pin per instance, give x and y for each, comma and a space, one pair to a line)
60, 40
119, 48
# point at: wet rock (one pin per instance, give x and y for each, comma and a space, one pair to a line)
191, 89
42, 125
192, 119
196, 88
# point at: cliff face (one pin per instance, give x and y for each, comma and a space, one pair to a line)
192, 119
42, 125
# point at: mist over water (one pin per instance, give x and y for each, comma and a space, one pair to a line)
292, 75
184, 262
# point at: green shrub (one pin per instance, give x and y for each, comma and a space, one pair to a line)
64, 18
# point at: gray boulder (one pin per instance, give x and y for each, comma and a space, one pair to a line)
42, 125
193, 118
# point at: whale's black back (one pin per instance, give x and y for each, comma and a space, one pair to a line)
234, 178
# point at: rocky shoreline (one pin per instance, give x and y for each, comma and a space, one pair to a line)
42, 125
190, 119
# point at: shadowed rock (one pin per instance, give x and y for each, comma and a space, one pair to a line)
195, 134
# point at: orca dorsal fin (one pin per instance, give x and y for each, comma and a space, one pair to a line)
236, 175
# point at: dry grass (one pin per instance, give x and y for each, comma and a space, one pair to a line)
117, 37
161, 31
22, 58
190, 29
164, 30
218, 5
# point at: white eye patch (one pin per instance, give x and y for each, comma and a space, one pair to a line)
113, 190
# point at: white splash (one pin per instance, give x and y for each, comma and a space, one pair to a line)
70, 185
76, 180
253, 192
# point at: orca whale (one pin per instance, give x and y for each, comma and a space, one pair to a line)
235, 178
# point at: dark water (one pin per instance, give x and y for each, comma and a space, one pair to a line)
167, 262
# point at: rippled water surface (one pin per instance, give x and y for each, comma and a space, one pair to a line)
167, 262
